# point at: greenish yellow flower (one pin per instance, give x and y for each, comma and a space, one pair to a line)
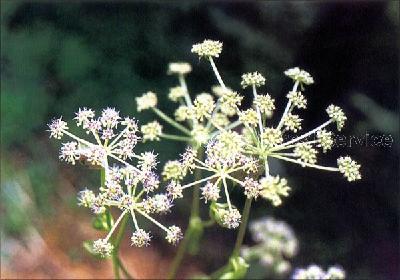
180, 68
173, 170
298, 75
265, 103
273, 188
208, 48
146, 101
297, 98
183, 113
349, 168
337, 115
325, 140
249, 117
203, 106
220, 91
229, 102
151, 131
200, 134
271, 137
252, 79
229, 142
292, 122
306, 153
175, 93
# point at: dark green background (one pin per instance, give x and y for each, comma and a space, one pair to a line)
57, 57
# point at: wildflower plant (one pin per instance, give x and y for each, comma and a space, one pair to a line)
227, 146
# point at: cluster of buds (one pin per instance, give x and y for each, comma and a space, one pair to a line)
128, 186
276, 243
315, 272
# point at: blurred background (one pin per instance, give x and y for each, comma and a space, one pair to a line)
59, 56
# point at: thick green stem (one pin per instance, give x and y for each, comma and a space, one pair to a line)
193, 221
242, 228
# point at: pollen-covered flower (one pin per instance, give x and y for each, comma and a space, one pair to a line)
151, 131
174, 235
57, 128
103, 248
273, 188
249, 117
200, 134
208, 48
266, 104
188, 159
271, 137
210, 192
180, 68
230, 100
69, 152
325, 140
297, 99
86, 198
298, 75
349, 168
159, 203
146, 101
174, 190
337, 115
183, 113
252, 188
252, 79
220, 91
175, 93
173, 169
140, 238
109, 118
231, 218
306, 153
83, 116
292, 122
203, 106
229, 144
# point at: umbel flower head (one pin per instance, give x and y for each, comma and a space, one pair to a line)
111, 143
208, 48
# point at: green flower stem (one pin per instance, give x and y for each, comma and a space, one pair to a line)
214, 67
242, 228
175, 137
117, 264
326, 168
288, 106
114, 256
171, 121
194, 218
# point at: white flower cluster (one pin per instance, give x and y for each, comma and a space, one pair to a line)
315, 272
276, 244
208, 48
125, 184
